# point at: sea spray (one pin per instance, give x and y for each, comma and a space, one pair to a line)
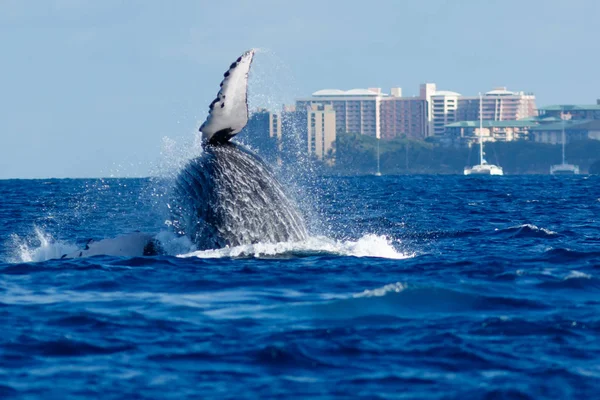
367, 246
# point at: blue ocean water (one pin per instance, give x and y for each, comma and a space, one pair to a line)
410, 287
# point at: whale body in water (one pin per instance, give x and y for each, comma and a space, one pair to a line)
228, 196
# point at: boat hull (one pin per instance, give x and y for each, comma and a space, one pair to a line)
486, 169
564, 169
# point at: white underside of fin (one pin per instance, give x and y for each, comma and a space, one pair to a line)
228, 113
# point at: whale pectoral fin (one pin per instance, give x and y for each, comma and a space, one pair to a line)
228, 113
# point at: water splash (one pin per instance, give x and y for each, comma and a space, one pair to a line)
272, 83
41, 246
367, 246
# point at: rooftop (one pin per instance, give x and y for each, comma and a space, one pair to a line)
501, 91
445, 93
571, 107
583, 124
548, 119
493, 124
337, 92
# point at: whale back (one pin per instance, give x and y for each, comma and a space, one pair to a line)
229, 197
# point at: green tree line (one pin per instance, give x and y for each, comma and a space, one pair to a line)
357, 154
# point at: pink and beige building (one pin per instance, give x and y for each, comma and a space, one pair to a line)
371, 112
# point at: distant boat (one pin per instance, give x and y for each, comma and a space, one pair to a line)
483, 168
564, 168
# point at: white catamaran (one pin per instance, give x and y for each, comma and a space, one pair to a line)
564, 168
483, 168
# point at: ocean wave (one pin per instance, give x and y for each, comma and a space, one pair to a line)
404, 300
562, 255
578, 275
527, 231
6, 390
436, 235
382, 291
367, 246
574, 280
517, 326
283, 356
67, 347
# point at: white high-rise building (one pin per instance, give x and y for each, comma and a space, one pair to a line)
441, 108
356, 110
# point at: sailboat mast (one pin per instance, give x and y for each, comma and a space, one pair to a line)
480, 129
563, 134
378, 171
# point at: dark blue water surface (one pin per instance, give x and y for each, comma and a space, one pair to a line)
410, 287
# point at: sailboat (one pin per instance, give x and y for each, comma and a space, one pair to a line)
564, 168
378, 173
483, 168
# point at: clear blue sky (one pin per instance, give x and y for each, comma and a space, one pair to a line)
91, 88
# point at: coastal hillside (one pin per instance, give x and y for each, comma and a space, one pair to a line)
357, 154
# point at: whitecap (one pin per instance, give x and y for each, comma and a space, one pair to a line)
382, 291
577, 274
536, 228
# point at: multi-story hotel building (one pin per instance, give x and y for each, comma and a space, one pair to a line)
321, 123
313, 130
497, 105
441, 108
356, 110
578, 129
576, 112
446, 107
370, 112
579, 121
403, 116
503, 131
443, 105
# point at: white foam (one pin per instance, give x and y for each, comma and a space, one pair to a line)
536, 228
42, 246
577, 274
382, 291
366, 246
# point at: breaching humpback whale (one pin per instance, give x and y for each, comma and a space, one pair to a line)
228, 196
